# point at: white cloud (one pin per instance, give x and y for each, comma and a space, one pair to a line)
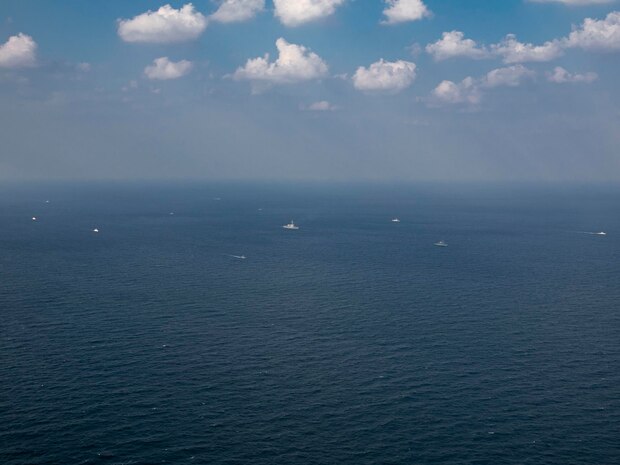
163, 25
400, 11
296, 12
453, 44
20, 51
385, 76
592, 35
164, 69
514, 51
511, 76
561, 76
231, 11
470, 91
465, 92
322, 105
295, 63
598, 35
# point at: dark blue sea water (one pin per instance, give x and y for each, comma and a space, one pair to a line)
351, 341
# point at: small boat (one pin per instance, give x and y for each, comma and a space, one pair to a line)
602, 233
95, 230
34, 218
395, 220
291, 226
440, 244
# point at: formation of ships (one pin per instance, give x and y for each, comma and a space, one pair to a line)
293, 227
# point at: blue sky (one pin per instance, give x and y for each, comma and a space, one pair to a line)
364, 89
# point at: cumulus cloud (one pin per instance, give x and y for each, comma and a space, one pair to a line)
514, 51
470, 91
592, 35
561, 76
322, 105
385, 76
400, 11
449, 92
295, 63
163, 69
597, 35
231, 11
163, 25
453, 44
20, 51
296, 12
511, 76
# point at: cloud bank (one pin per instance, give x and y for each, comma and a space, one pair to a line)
595, 35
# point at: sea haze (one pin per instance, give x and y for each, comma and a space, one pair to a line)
350, 341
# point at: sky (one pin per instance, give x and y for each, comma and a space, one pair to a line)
387, 90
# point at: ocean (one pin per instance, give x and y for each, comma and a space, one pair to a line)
353, 340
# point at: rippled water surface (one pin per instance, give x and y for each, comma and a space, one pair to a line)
351, 341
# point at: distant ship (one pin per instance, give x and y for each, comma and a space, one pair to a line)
291, 225
395, 220
95, 230
441, 244
601, 233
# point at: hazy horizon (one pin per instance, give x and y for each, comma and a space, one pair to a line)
342, 90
